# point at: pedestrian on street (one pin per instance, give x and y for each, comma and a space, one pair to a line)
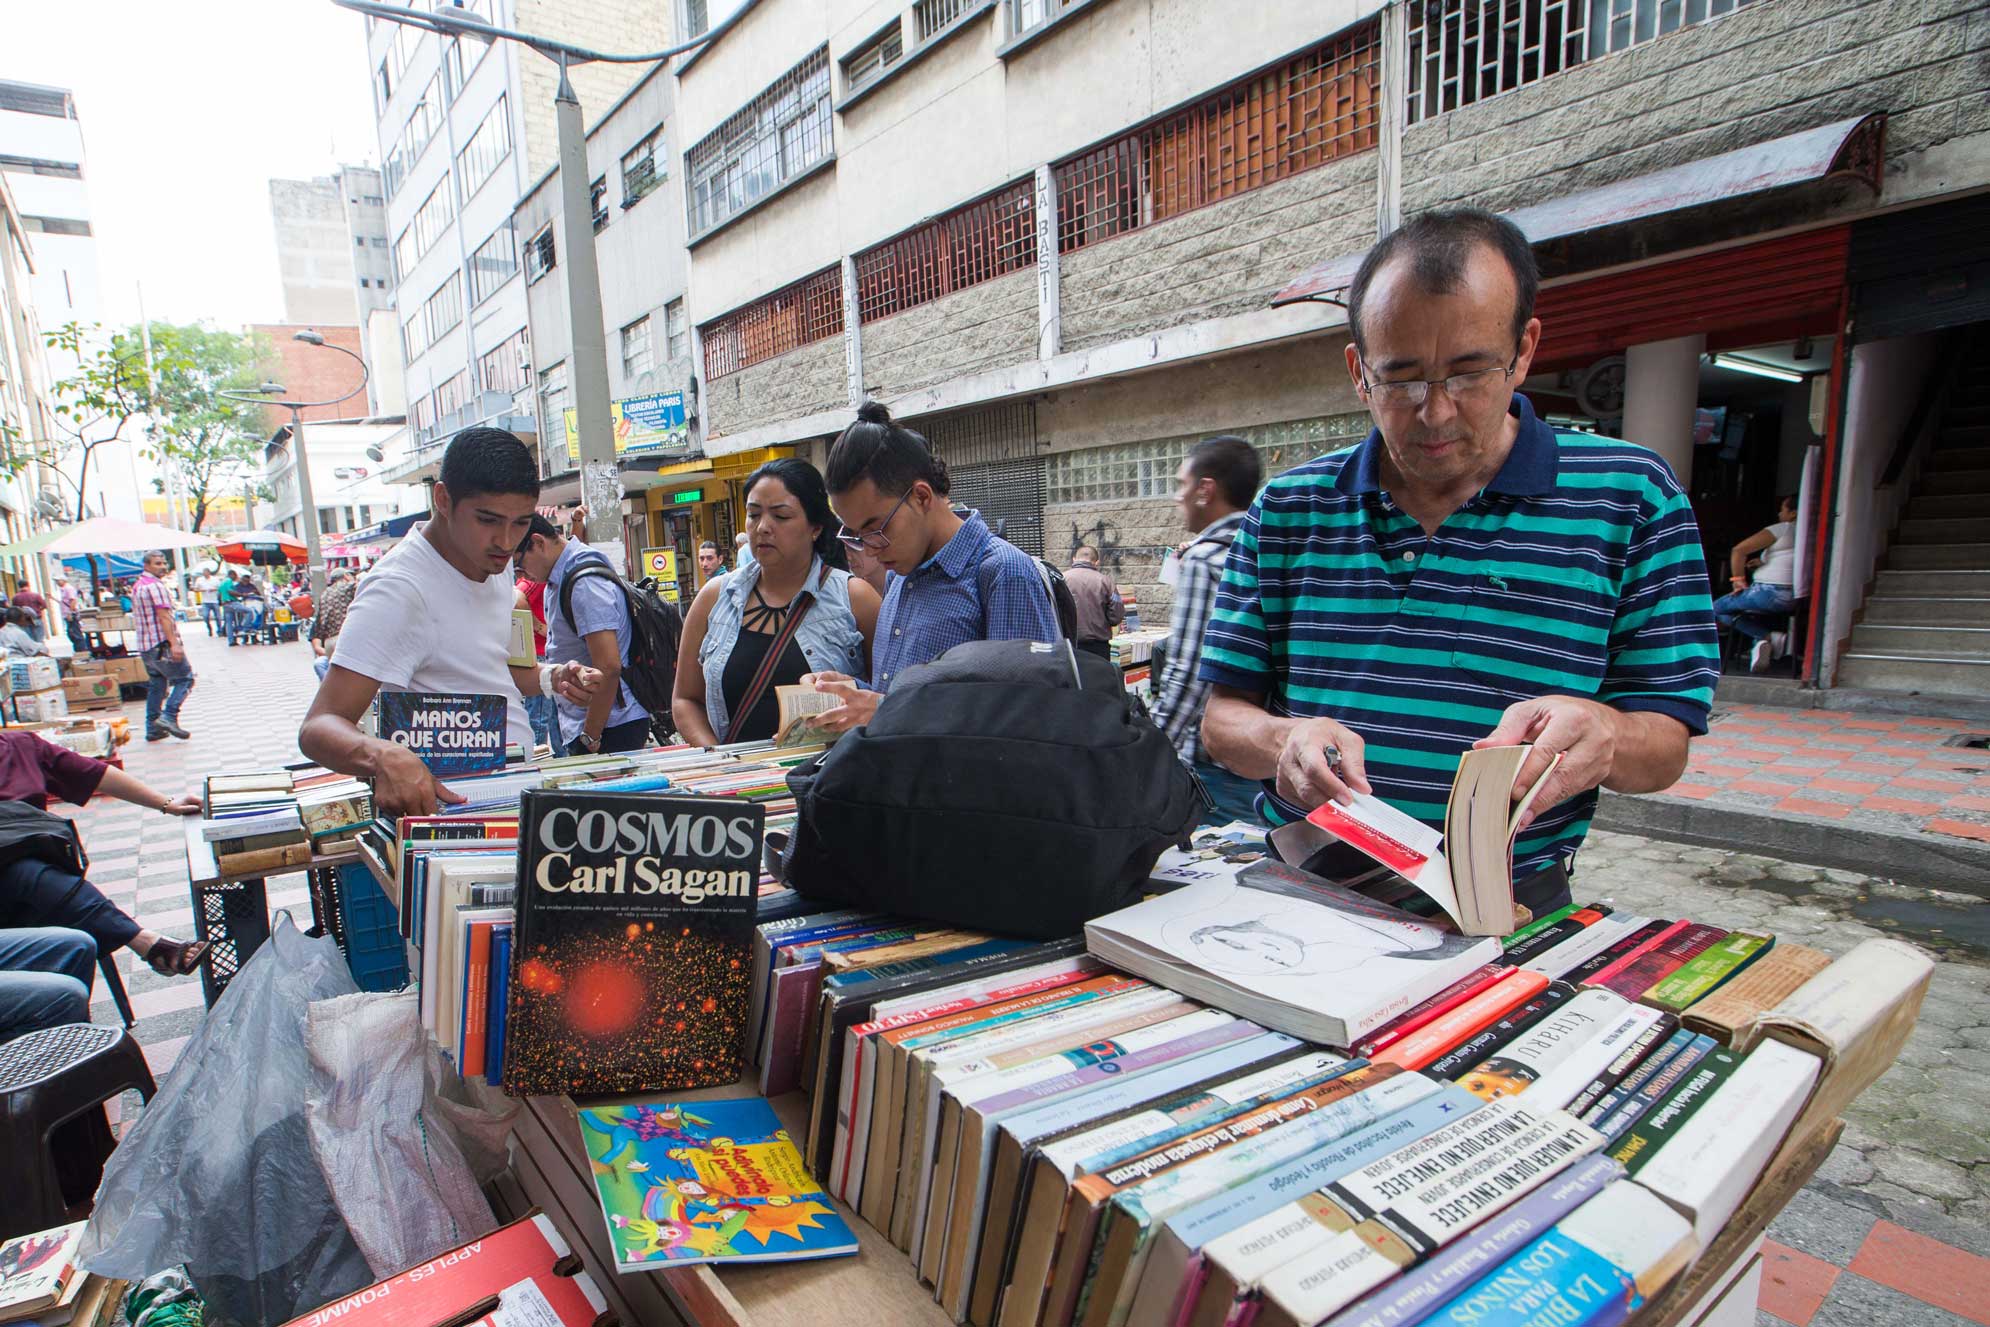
742, 549
1759, 610
1364, 640
208, 586
168, 674
33, 607
532, 598
588, 624
710, 565
65, 594
434, 615
1100, 609
330, 619
1213, 488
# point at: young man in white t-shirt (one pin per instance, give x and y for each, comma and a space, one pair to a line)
434, 615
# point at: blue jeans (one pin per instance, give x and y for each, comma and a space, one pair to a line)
167, 682
44, 979
210, 613
1235, 796
1756, 611
539, 709
322, 664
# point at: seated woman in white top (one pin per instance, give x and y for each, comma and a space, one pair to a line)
1761, 610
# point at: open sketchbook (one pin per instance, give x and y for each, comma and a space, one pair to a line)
1468, 869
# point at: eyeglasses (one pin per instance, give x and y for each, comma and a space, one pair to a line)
876, 540
1395, 395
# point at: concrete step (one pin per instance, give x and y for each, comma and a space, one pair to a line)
1927, 504
1920, 673
1932, 584
1956, 642
1974, 483
1948, 456
1975, 411
1938, 557
1930, 611
1944, 530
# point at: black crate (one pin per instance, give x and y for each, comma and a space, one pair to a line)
235, 920
327, 907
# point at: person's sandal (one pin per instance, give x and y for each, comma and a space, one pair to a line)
176, 958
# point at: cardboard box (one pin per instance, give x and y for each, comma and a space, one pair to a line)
52, 703
91, 689
129, 669
34, 674
90, 668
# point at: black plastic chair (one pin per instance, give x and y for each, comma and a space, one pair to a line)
47, 1080
114, 983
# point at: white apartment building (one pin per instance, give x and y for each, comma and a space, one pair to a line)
464, 129
314, 252
44, 163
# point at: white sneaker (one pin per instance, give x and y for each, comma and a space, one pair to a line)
1779, 644
1758, 658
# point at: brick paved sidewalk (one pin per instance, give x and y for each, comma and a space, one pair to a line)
1876, 772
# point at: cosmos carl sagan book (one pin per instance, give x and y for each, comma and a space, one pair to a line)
633, 944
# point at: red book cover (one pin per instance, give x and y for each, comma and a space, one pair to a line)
476, 998
520, 1273
1467, 1020
1662, 960
1447, 999
1603, 975
1404, 859
1629, 942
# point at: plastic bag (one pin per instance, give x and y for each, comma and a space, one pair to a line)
402, 1146
218, 1173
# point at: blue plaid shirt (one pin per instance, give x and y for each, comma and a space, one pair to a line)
940, 605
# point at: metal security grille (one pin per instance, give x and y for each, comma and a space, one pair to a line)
1004, 432
778, 136
932, 15
807, 311
1009, 496
990, 237
1301, 114
1462, 51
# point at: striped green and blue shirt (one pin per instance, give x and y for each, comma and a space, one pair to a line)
1577, 571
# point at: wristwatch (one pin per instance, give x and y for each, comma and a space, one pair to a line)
591, 745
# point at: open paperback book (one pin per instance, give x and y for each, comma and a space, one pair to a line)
799, 706
1468, 869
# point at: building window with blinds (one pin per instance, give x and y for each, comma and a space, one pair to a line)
778, 137
868, 62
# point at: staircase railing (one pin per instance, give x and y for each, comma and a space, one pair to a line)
1928, 405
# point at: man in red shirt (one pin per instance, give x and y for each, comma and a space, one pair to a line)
539, 709
168, 674
53, 922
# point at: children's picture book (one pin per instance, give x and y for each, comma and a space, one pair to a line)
633, 946
1467, 870
451, 734
36, 1271
706, 1181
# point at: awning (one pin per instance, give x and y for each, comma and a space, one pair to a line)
392, 528
1851, 149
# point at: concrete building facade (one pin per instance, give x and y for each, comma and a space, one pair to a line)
314, 252
1067, 240
465, 128
24, 403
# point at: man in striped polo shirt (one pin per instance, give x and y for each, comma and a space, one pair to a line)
1467, 576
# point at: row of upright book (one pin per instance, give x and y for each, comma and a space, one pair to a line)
1071, 1133
564, 986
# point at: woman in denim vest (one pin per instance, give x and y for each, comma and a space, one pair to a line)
738, 617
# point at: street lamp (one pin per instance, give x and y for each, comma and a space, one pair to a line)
314, 562
600, 478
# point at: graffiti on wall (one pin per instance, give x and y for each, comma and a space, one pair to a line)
1104, 536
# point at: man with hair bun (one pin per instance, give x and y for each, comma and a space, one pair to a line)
952, 579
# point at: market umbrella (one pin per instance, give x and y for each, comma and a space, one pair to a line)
263, 548
108, 534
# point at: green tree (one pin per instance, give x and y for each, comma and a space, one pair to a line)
209, 440
95, 404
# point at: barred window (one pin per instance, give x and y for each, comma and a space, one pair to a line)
676, 330
782, 134
597, 201
867, 62
489, 146
552, 407
642, 168
1143, 470
794, 316
1304, 113
989, 237
540, 257
932, 17
637, 358
493, 264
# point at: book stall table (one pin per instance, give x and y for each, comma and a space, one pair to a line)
232, 911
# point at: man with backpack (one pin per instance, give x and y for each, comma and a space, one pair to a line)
953, 579
1214, 488
588, 622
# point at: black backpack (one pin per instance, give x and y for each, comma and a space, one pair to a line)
1007, 786
655, 628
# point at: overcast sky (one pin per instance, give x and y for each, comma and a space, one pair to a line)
188, 110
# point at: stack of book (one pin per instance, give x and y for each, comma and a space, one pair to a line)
253, 822
42, 1284
1257, 1096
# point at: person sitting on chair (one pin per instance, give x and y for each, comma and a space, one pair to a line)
35, 893
1761, 610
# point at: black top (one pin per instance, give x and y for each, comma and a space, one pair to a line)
759, 624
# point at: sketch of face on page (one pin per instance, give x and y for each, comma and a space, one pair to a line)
1258, 935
